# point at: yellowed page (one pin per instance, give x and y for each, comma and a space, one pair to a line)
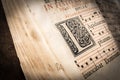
55, 40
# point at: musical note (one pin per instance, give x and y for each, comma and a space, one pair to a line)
91, 16
92, 60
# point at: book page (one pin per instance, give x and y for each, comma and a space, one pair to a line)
84, 35
61, 39
111, 15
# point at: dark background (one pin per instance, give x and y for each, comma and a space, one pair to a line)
9, 63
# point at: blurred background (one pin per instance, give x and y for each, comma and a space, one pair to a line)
9, 63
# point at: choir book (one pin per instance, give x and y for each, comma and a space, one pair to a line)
61, 39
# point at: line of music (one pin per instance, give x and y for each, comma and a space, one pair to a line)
92, 59
95, 23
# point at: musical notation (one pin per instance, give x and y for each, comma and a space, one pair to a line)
73, 38
106, 49
98, 58
86, 33
90, 16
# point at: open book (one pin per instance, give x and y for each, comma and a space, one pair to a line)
60, 39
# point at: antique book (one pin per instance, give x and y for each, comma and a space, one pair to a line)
61, 39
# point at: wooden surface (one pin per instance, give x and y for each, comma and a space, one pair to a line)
9, 63
37, 49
